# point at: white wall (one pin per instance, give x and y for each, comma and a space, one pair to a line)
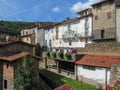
49, 36
99, 74
79, 27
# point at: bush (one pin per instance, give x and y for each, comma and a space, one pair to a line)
68, 56
60, 55
53, 54
48, 54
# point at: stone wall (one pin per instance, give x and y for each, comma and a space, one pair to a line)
118, 22
15, 47
111, 48
102, 11
114, 75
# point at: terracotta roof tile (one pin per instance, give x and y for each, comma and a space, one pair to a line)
99, 60
64, 87
16, 57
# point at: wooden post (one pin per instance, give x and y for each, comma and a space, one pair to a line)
58, 68
33, 50
45, 63
76, 73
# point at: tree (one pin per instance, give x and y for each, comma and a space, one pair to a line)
25, 78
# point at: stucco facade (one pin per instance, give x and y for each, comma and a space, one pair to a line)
93, 76
104, 20
74, 33
49, 36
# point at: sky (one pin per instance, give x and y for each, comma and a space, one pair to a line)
41, 10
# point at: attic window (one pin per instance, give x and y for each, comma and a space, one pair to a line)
98, 6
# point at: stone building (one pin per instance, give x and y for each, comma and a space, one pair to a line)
28, 36
104, 20
8, 66
117, 5
11, 56
12, 48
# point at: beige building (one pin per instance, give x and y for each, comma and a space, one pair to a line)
104, 20
28, 36
117, 20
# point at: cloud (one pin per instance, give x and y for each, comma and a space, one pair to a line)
56, 9
80, 5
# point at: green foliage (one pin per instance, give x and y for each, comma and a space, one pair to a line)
60, 55
47, 54
77, 85
25, 78
14, 27
53, 54
68, 56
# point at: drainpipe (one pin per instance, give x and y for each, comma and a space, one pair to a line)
106, 78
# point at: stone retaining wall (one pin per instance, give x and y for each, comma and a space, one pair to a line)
111, 48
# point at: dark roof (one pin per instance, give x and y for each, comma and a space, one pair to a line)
48, 25
99, 60
84, 10
16, 57
101, 2
117, 2
8, 43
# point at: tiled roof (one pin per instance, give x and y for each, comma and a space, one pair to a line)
16, 57
64, 87
99, 60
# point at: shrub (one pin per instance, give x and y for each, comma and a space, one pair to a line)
53, 54
48, 54
60, 55
68, 56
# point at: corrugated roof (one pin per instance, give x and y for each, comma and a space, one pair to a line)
99, 60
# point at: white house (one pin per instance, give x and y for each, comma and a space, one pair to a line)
74, 32
49, 31
95, 69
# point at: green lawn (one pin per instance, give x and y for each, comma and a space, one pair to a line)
64, 80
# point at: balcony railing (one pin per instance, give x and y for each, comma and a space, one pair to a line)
73, 34
69, 34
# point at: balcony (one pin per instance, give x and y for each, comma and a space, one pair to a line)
86, 25
69, 34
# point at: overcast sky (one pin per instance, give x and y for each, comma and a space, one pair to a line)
41, 10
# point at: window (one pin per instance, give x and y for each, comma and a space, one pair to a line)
96, 17
7, 65
70, 42
26, 32
5, 84
98, 6
102, 33
89, 67
109, 15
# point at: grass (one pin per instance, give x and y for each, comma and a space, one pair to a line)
77, 85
